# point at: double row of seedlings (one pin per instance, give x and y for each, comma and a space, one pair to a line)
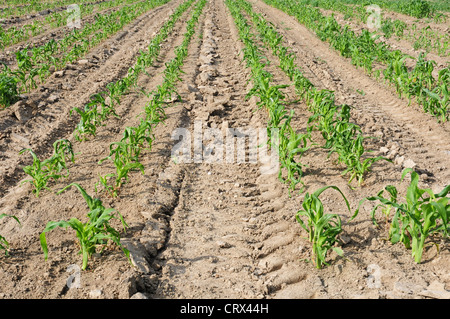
341, 136
322, 228
289, 144
413, 222
101, 106
34, 64
423, 38
14, 35
125, 154
364, 51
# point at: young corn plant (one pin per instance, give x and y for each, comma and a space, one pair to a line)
89, 121
125, 157
323, 228
107, 187
62, 152
42, 171
292, 146
422, 214
39, 173
93, 234
106, 110
4, 244
357, 166
9, 93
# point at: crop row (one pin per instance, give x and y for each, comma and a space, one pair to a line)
364, 51
341, 136
424, 38
15, 35
411, 222
125, 153
290, 143
102, 104
97, 231
34, 64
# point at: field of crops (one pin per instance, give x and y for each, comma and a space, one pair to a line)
243, 149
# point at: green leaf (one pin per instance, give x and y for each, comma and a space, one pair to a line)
338, 251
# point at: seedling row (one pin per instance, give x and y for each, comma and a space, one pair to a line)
124, 154
412, 223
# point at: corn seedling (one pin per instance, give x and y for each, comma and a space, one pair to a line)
322, 228
107, 188
4, 244
62, 151
93, 234
416, 219
89, 121
39, 173
125, 157
8, 88
42, 171
291, 148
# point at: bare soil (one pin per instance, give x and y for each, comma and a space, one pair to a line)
209, 230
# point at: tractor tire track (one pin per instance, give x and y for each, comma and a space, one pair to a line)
214, 247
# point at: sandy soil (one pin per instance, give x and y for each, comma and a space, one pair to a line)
209, 230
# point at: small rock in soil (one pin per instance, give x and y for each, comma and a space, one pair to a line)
409, 163
95, 293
